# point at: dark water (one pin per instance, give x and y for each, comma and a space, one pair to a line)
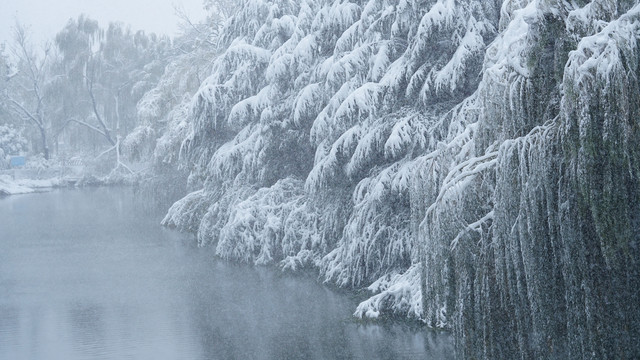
89, 274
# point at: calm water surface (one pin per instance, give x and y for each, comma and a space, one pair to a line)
89, 274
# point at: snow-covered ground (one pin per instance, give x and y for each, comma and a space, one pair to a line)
11, 186
39, 175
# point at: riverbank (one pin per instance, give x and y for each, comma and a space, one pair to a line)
39, 175
26, 181
11, 186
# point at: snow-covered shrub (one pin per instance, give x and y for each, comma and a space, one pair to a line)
12, 142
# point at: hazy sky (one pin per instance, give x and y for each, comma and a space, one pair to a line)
46, 17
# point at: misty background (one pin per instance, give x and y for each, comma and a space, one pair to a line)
46, 18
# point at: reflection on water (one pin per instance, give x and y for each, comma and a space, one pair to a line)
90, 275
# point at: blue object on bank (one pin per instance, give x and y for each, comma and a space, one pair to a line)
17, 161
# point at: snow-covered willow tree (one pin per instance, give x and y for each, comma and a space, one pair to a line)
99, 77
163, 113
334, 98
474, 162
525, 253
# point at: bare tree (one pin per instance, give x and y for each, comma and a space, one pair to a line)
223, 8
206, 32
25, 94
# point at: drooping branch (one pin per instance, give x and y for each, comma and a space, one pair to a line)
83, 123
38, 122
106, 132
119, 162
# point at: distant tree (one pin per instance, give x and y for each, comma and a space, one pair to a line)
107, 71
24, 88
207, 32
5, 72
222, 8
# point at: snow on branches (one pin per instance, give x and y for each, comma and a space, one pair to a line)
430, 148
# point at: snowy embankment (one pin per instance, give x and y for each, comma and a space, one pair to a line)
41, 175
10, 186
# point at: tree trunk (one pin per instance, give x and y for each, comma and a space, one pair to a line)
45, 146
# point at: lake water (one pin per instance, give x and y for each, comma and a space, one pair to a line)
90, 274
